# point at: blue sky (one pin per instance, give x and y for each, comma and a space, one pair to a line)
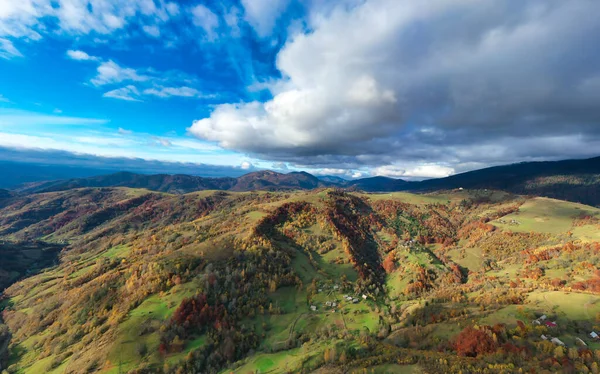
352, 88
133, 92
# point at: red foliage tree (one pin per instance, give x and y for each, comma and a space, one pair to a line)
389, 264
195, 312
472, 342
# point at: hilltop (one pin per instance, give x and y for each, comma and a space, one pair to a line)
573, 180
297, 281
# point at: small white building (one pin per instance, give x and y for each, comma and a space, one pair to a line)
313, 308
543, 317
334, 304
593, 335
355, 301
544, 337
557, 341
580, 342
364, 297
328, 303
336, 287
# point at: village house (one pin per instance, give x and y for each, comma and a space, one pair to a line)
580, 342
313, 308
557, 341
544, 337
355, 301
550, 324
328, 303
364, 297
594, 336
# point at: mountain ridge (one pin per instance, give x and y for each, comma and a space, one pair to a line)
573, 180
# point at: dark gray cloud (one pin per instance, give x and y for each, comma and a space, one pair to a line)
447, 85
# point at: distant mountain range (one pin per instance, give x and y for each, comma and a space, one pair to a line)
180, 183
574, 180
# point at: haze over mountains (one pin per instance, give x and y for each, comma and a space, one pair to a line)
573, 180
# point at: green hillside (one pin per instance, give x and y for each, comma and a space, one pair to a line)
323, 281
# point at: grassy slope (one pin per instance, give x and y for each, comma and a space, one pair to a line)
121, 350
547, 216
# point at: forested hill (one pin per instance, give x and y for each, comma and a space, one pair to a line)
324, 281
572, 180
180, 183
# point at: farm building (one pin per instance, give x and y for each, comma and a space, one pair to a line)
594, 335
557, 341
551, 324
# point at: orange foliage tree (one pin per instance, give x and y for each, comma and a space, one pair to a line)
472, 342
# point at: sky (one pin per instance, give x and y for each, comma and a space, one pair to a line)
353, 88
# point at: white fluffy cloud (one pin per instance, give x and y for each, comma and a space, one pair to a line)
388, 82
153, 83
204, 18
23, 18
8, 50
419, 171
152, 30
127, 93
263, 14
165, 92
110, 72
80, 56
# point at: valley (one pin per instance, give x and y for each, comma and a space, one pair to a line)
320, 281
